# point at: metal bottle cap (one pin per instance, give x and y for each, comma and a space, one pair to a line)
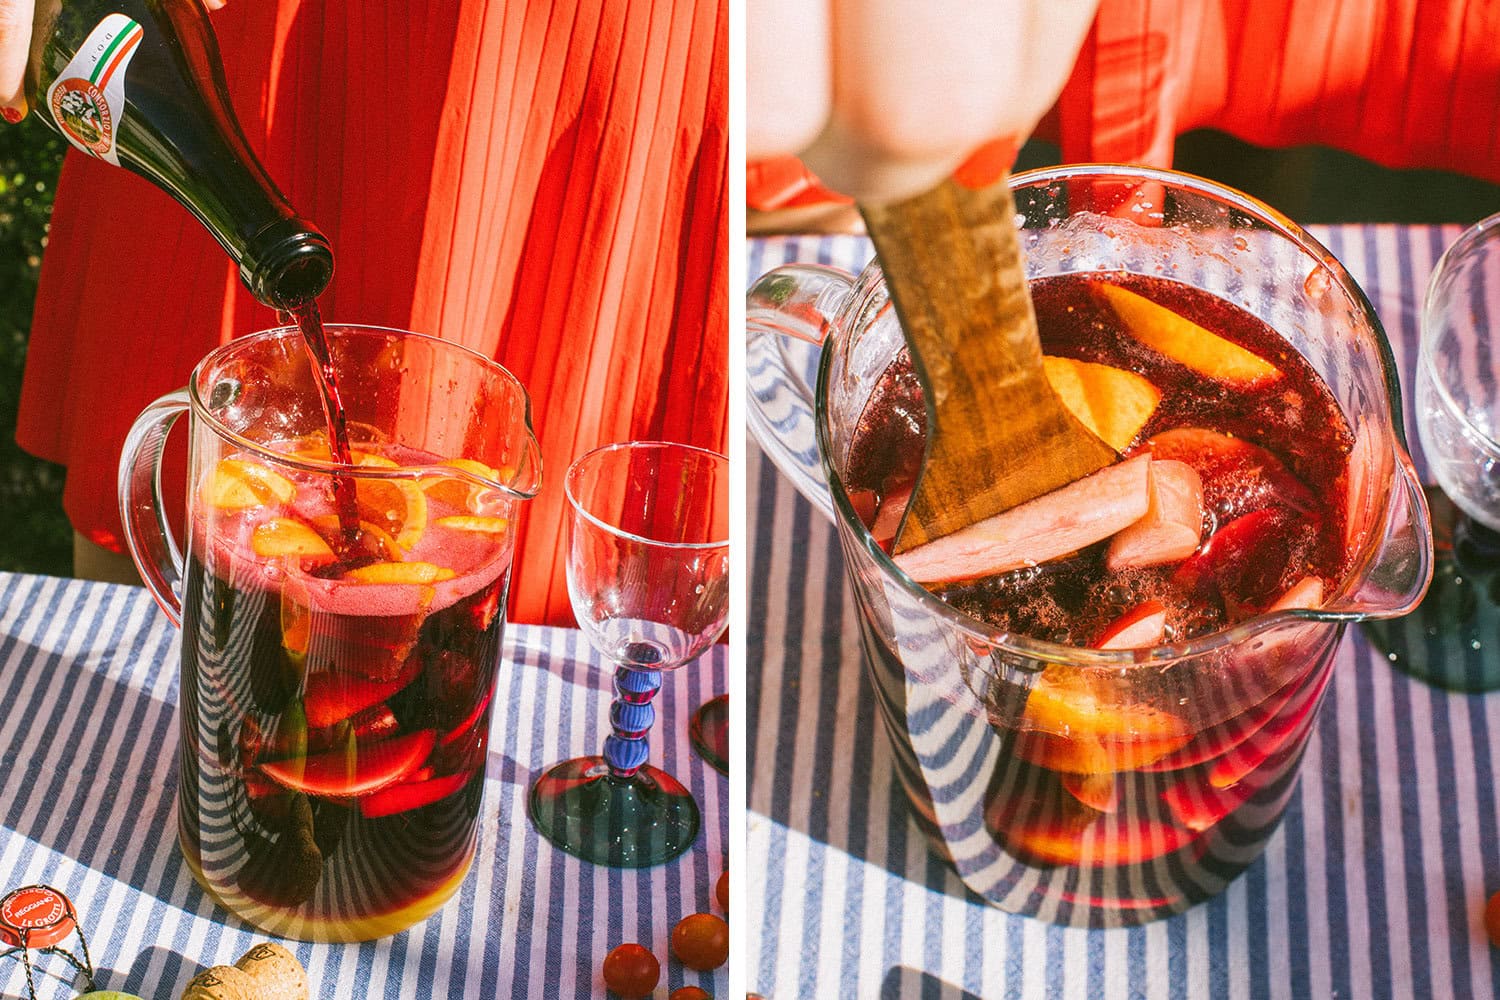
36, 916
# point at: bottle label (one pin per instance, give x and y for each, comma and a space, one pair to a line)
87, 100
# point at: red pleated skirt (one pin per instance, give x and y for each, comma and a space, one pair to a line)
543, 181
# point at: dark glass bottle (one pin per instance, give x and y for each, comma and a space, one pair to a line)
139, 83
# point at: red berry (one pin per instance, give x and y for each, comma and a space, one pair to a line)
701, 941
690, 993
631, 971
1492, 919
721, 890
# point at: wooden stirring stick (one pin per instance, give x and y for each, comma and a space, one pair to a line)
997, 434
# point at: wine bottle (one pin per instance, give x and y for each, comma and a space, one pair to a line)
139, 83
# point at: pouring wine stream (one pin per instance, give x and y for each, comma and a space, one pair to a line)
998, 435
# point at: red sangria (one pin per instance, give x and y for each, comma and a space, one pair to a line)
337, 685
1110, 792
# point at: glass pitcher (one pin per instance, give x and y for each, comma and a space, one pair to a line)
337, 679
1096, 787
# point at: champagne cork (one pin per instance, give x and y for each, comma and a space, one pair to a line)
222, 982
276, 971
265, 972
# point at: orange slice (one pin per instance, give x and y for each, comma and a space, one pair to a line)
236, 484
328, 525
458, 493
396, 506
1180, 339
1112, 402
1072, 729
474, 522
400, 572
287, 537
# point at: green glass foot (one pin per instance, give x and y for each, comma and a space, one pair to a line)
634, 822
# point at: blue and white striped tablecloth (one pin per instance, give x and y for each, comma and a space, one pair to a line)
1373, 887
88, 778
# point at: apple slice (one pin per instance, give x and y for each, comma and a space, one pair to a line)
1054, 524
329, 697
236, 484
1112, 402
1182, 340
1237, 477
1173, 524
287, 537
1198, 807
411, 795
888, 518
1141, 626
1305, 593
354, 771
1281, 731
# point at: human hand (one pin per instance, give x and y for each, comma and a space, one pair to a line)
16, 17
884, 98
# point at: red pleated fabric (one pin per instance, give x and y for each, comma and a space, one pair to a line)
544, 181
1404, 83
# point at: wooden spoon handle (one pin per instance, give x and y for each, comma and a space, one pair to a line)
997, 434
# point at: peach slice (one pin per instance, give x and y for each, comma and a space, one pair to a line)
475, 523
236, 484
1070, 728
1143, 625
400, 572
287, 537
1054, 524
1182, 340
328, 526
1112, 402
1173, 524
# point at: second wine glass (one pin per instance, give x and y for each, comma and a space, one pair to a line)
648, 578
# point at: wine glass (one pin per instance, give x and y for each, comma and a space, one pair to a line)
1452, 639
648, 577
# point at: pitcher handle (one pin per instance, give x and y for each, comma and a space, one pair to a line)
797, 301
147, 534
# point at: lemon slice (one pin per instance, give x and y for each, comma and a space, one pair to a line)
400, 572
287, 537
475, 522
236, 484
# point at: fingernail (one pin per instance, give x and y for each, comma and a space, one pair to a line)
11, 115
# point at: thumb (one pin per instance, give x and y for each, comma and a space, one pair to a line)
15, 42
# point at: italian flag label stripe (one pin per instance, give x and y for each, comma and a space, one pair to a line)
118, 52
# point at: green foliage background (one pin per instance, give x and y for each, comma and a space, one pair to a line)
34, 534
